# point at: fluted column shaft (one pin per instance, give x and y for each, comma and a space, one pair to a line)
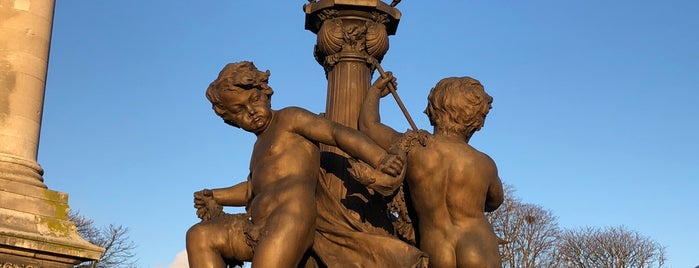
348, 82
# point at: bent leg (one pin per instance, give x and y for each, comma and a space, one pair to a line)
218, 242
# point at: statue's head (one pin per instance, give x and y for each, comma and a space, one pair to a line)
458, 105
241, 97
239, 75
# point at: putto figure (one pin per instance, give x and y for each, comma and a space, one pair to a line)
279, 194
450, 183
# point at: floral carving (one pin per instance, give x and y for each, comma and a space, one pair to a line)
340, 36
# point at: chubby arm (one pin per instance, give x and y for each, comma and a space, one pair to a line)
209, 203
350, 140
369, 118
236, 195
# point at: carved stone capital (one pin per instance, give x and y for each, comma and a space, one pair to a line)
350, 31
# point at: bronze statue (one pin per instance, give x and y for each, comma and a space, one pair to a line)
449, 182
280, 193
321, 193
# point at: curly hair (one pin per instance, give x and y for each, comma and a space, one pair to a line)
458, 104
239, 75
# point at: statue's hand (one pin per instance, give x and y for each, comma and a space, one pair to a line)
392, 164
374, 179
381, 84
206, 205
201, 197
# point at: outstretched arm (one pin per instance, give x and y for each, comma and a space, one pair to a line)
369, 118
350, 140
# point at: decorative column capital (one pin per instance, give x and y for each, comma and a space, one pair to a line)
354, 30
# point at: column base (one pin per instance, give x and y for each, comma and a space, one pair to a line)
28, 250
35, 230
21, 170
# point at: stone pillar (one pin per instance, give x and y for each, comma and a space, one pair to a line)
34, 227
26, 30
351, 35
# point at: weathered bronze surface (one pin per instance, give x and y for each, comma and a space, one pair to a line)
450, 183
280, 192
321, 193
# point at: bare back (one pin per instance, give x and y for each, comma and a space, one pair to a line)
449, 184
451, 179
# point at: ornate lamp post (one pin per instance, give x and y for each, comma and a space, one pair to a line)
352, 35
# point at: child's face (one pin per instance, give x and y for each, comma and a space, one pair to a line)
247, 109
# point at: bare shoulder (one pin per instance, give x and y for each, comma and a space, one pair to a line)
480, 159
428, 157
293, 114
441, 151
485, 158
305, 123
293, 110
483, 163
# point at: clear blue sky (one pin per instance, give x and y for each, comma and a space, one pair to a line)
594, 117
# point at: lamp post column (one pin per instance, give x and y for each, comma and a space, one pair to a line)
351, 36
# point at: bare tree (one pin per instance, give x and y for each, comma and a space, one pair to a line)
527, 231
114, 239
615, 247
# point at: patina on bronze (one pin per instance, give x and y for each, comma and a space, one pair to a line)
311, 203
450, 183
280, 192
